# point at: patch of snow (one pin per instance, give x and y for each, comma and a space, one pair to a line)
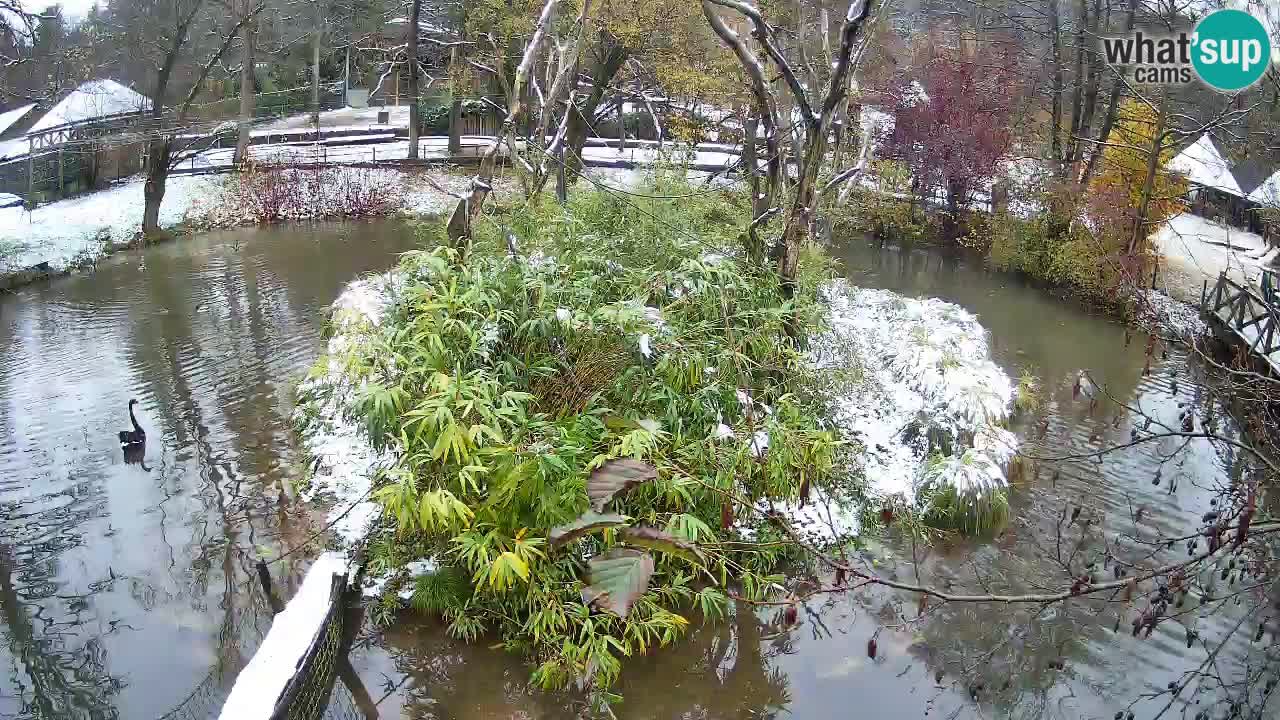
1176, 318
417, 569
346, 462
260, 684
760, 443
60, 232
928, 384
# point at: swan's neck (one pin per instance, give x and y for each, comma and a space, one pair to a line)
134, 420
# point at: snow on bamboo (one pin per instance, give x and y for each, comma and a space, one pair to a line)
346, 462
931, 407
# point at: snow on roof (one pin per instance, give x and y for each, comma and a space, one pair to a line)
8, 118
93, 100
1268, 193
1203, 165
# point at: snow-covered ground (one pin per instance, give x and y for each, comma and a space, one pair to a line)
70, 232
339, 151
83, 228
1172, 317
1194, 250
344, 118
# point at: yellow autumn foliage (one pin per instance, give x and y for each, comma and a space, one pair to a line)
1124, 166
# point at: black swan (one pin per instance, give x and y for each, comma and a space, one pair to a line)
137, 435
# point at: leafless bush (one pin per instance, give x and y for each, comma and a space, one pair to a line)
272, 193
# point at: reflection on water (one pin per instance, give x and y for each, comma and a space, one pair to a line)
1060, 661
125, 580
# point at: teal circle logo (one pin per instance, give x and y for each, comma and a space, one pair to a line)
1231, 50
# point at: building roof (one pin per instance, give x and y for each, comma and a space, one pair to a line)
9, 117
1253, 171
1204, 165
1268, 193
94, 100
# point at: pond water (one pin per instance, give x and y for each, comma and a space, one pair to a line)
126, 590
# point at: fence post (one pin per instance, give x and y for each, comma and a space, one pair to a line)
264, 577
31, 176
61, 174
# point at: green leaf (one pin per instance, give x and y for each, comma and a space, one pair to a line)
655, 539
614, 477
618, 579
586, 523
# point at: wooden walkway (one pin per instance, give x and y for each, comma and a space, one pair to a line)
1240, 315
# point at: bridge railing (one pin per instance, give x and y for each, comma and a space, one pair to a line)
1246, 313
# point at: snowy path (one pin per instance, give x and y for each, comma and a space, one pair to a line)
1195, 250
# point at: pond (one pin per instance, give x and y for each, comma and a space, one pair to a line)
126, 589
123, 587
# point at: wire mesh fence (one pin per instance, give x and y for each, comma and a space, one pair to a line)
307, 695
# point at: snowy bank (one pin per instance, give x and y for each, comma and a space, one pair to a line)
930, 406
1169, 316
345, 462
67, 232
60, 236
1194, 250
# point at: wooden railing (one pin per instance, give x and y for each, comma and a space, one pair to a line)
1246, 313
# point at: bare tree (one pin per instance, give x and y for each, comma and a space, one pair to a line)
183, 42
815, 119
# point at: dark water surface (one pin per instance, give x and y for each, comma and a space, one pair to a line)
125, 588
126, 591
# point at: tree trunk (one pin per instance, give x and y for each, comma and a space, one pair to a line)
1092, 83
415, 16
315, 69
153, 190
1055, 122
1113, 107
1137, 239
455, 106
1077, 86
247, 97
576, 132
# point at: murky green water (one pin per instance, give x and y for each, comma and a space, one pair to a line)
126, 590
